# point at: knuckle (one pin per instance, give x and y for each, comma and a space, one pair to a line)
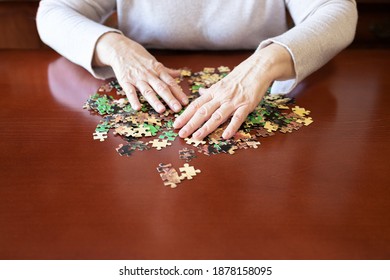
172, 83
128, 87
129, 91
161, 87
239, 116
217, 116
149, 72
203, 111
205, 128
190, 126
148, 93
140, 84
172, 102
195, 105
159, 67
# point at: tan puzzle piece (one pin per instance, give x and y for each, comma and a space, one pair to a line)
188, 172
159, 144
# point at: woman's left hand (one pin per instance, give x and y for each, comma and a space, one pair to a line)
235, 96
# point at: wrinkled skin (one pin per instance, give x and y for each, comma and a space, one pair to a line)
234, 96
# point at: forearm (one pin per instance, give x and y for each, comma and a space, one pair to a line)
323, 28
72, 28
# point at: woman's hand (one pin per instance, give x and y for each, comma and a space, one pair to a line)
135, 68
236, 95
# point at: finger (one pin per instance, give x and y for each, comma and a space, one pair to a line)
216, 119
163, 90
174, 87
165, 74
173, 72
202, 115
190, 111
150, 96
238, 118
202, 90
131, 95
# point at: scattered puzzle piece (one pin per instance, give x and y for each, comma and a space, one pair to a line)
105, 88
152, 129
194, 142
139, 145
242, 135
209, 70
153, 120
263, 132
125, 150
170, 135
300, 111
169, 175
286, 129
159, 144
187, 154
232, 150
242, 145
188, 172
253, 144
223, 69
101, 136
305, 121
185, 73
270, 127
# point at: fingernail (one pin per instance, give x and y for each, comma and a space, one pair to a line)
182, 133
226, 135
177, 107
184, 101
176, 124
160, 108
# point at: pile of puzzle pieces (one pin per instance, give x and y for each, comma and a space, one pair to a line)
145, 129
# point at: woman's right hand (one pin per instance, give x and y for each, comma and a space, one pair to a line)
135, 68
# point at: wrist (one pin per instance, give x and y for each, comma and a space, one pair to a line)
276, 62
106, 48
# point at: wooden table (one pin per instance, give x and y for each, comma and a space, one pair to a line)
322, 192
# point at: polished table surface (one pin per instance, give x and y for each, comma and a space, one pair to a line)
322, 192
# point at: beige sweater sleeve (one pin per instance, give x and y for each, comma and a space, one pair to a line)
322, 29
72, 28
